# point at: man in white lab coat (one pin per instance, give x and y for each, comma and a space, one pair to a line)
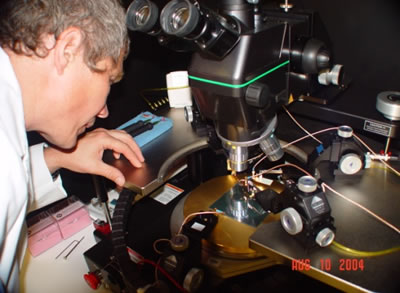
58, 59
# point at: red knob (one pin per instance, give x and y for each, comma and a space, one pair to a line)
92, 280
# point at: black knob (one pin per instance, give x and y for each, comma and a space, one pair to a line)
315, 56
257, 95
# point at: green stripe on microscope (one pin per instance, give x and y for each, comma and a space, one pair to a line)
239, 85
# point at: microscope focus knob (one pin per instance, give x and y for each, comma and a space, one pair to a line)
315, 56
257, 95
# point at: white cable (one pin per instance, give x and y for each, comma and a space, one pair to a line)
368, 148
300, 126
306, 136
324, 185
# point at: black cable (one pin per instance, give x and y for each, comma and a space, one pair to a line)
130, 274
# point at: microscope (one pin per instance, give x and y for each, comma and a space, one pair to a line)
247, 61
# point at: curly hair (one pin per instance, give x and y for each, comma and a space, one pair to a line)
23, 23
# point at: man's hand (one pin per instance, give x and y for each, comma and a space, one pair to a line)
87, 155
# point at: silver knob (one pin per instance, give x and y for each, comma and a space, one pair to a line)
307, 184
333, 76
345, 131
291, 221
188, 114
325, 237
193, 279
388, 103
350, 164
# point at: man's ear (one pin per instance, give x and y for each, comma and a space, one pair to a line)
68, 45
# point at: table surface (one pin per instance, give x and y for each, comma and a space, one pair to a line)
45, 273
377, 190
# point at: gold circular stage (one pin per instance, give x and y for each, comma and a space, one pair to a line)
230, 237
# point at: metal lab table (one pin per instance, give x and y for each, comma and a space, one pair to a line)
162, 155
379, 191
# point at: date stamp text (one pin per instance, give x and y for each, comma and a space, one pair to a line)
326, 264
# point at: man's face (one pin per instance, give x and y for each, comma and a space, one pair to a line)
83, 95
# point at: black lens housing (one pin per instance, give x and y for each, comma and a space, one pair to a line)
142, 15
179, 18
214, 34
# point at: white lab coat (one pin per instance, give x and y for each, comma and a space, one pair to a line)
25, 181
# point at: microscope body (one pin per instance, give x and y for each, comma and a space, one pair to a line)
241, 90
240, 113
247, 60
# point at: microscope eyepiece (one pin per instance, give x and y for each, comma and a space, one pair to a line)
142, 15
210, 32
179, 18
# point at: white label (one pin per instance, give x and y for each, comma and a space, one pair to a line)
318, 205
134, 256
197, 226
168, 193
378, 128
263, 180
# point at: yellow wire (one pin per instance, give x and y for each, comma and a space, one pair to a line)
365, 253
158, 241
141, 93
164, 88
